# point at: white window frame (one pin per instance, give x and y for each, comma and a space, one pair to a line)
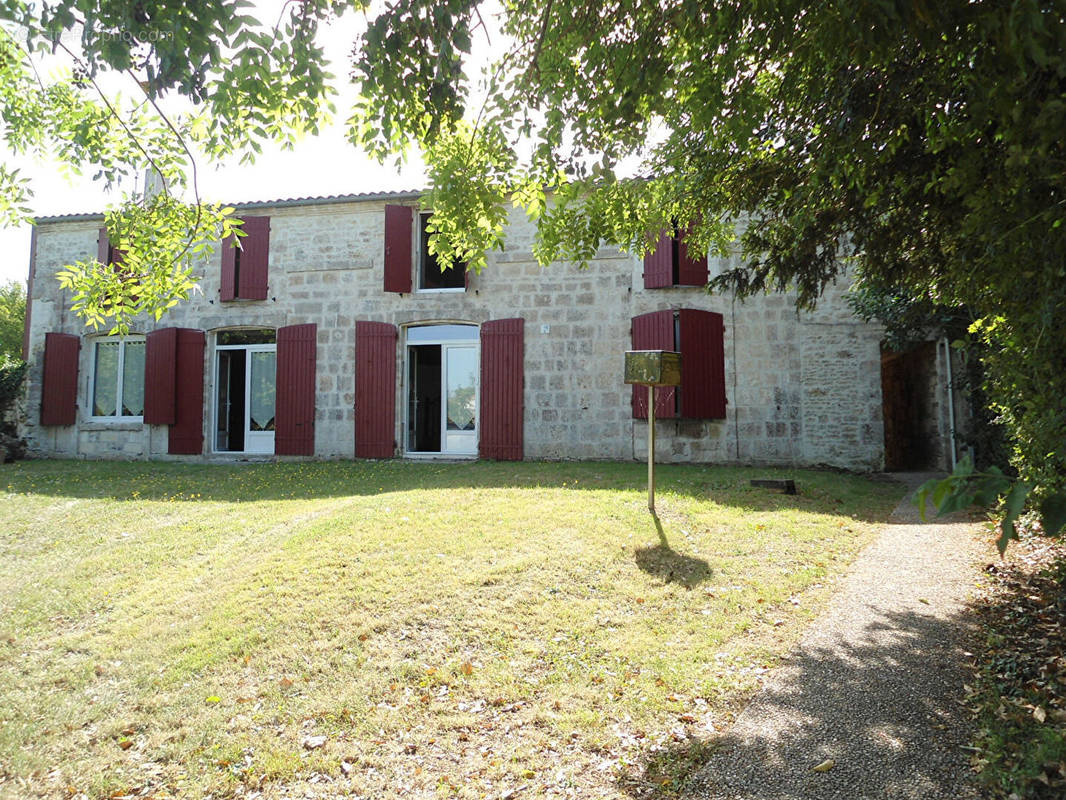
117, 416
258, 436
418, 261
443, 342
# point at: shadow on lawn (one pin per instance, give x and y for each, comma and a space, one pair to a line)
885, 708
820, 491
672, 567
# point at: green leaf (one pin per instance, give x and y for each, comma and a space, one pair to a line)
1053, 514
922, 495
1012, 508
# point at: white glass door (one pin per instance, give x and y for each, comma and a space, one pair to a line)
460, 389
259, 422
245, 385
442, 389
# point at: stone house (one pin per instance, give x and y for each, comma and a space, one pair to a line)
333, 334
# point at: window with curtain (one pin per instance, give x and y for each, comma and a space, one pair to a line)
117, 390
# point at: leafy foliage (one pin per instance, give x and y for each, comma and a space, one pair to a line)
247, 82
966, 487
12, 373
920, 143
12, 319
908, 319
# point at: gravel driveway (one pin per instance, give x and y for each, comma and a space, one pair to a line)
875, 684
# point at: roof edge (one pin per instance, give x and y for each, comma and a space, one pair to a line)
291, 202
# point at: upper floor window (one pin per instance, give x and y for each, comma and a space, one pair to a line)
117, 385
245, 260
430, 277
671, 264
408, 262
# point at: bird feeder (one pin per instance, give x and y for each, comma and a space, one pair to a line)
652, 368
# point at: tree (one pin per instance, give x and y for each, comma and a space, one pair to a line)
234, 82
918, 142
12, 318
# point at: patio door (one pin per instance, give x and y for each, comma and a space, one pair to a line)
442, 371
245, 383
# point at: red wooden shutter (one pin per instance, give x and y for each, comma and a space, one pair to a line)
228, 287
59, 384
691, 271
502, 389
658, 265
255, 255
702, 345
375, 390
399, 228
295, 415
654, 331
105, 253
103, 247
187, 431
160, 376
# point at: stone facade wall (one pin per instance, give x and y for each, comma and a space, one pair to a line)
801, 388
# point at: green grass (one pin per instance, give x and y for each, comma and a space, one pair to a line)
450, 629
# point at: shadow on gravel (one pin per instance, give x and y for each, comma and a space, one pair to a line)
886, 712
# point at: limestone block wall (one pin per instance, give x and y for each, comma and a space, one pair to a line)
801, 388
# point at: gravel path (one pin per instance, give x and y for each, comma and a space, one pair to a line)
874, 685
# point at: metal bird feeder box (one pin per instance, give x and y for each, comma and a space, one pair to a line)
652, 368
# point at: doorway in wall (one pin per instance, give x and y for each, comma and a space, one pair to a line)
245, 368
442, 389
909, 397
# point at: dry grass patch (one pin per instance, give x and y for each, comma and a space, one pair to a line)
387, 629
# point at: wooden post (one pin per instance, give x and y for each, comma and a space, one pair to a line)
651, 449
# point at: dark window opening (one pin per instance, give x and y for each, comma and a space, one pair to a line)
249, 336
237, 268
430, 275
675, 258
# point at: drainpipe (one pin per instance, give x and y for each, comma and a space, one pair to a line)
951, 399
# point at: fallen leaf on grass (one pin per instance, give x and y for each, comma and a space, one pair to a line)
467, 668
825, 766
125, 744
285, 683
1039, 714
313, 742
213, 699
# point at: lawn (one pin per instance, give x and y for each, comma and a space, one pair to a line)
387, 629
